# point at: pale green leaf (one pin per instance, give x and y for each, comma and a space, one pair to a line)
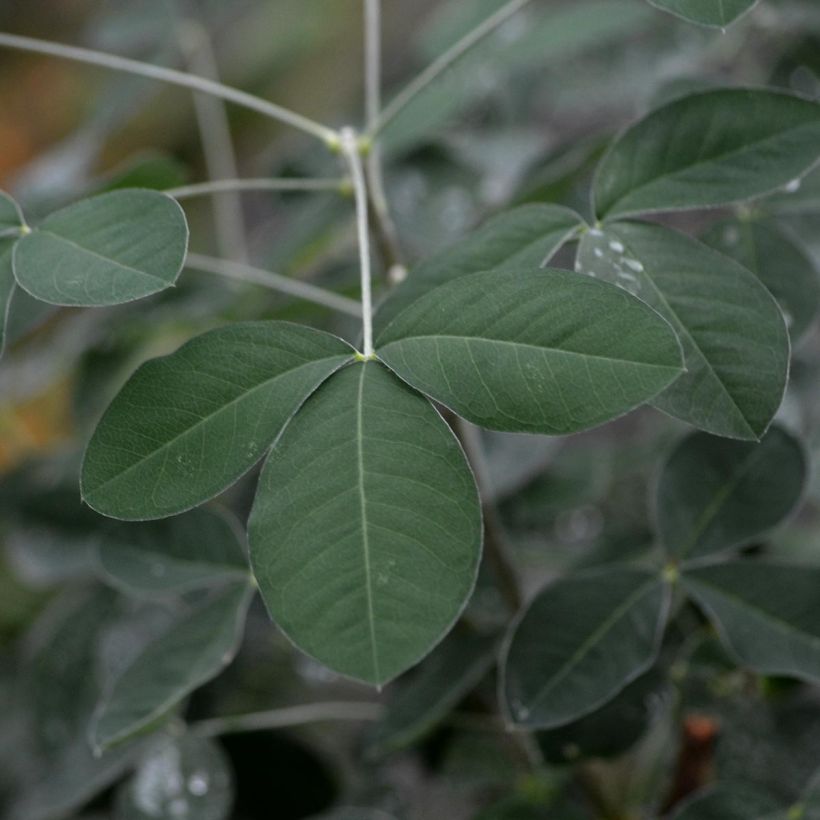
447, 676
708, 149
716, 13
767, 614
541, 351
714, 494
199, 548
365, 534
188, 655
734, 337
11, 217
783, 266
579, 643
188, 425
524, 237
108, 249
188, 779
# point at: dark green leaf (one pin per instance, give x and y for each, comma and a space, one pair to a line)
740, 802
525, 237
767, 614
783, 266
733, 333
365, 534
188, 425
6, 287
714, 494
189, 779
579, 643
451, 672
716, 13
541, 351
108, 249
708, 149
196, 549
188, 655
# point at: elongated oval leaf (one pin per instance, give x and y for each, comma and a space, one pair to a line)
782, 265
734, 337
192, 652
708, 149
108, 249
524, 237
188, 779
716, 13
540, 351
714, 494
767, 614
188, 425
196, 549
365, 534
6, 287
11, 217
579, 643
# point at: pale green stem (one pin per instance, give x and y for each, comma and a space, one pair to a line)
442, 63
350, 149
262, 184
170, 75
274, 281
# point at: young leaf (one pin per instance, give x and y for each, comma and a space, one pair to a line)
714, 494
524, 237
451, 672
365, 534
11, 217
716, 13
6, 287
108, 249
188, 425
767, 614
786, 269
540, 351
579, 643
708, 149
196, 549
733, 333
189, 779
192, 652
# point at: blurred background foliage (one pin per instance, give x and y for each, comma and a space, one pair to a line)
522, 118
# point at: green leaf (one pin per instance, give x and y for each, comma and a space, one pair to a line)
579, 643
525, 237
108, 249
708, 149
446, 677
188, 779
767, 614
365, 535
716, 13
11, 217
188, 655
197, 549
729, 802
188, 425
540, 351
6, 287
714, 494
733, 333
783, 266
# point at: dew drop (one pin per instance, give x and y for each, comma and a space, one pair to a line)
598, 252
793, 187
616, 246
198, 784
634, 264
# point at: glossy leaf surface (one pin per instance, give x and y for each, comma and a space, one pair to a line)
540, 351
365, 534
714, 494
734, 337
708, 149
108, 249
188, 425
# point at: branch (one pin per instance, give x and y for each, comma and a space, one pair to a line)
442, 63
274, 281
180, 78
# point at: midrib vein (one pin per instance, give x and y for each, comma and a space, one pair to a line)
365, 539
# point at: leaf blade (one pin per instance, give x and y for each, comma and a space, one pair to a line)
705, 12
